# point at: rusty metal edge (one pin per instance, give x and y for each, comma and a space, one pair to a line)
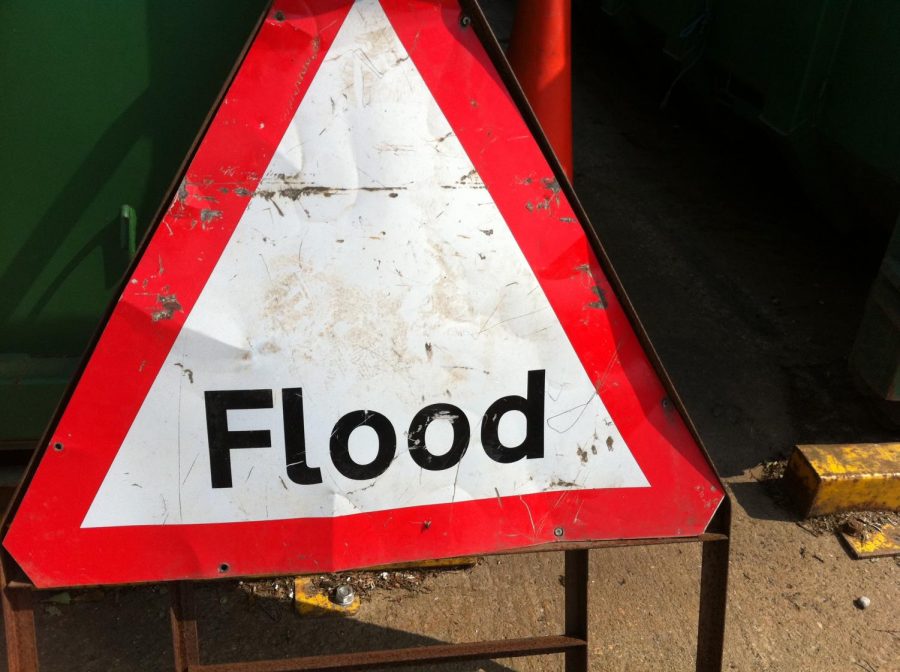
183, 619
437, 653
576, 614
22, 583
792, 482
18, 625
714, 592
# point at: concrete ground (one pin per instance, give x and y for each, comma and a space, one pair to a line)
752, 303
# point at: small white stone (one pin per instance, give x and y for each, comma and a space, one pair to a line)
862, 602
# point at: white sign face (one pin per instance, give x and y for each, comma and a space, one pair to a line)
371, 294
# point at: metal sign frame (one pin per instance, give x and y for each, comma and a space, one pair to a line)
17, 592
574, 643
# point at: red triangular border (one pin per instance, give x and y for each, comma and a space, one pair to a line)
45, 537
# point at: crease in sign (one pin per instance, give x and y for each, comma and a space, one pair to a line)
383, 272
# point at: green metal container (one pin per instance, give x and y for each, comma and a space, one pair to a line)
822, 75
100, 104
876, 353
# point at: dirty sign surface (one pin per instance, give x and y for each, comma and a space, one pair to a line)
369, 329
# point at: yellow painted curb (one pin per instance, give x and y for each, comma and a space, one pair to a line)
311, 602
824, 479
875, 545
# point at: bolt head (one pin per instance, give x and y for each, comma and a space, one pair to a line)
559, 532
343, 596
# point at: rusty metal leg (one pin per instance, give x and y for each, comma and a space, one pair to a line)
185, 642
577, 608
18, 622
714, 593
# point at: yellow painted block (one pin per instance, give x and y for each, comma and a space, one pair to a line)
876, 544
826, 479
312, 602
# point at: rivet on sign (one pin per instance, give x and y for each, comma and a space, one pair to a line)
559, 531
223, 568
279, 15
465, 21
57, 446
343, 596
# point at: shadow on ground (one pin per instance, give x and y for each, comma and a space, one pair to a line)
271, 629
751, 299
128, 629
763, 500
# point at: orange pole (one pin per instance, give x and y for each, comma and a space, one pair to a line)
540, 52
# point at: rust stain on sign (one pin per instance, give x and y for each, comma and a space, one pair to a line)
552, 198
551, 184
168, 306
207, 215
182, 193
600, 303
295, 193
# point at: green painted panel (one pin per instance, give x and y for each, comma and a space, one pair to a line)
861, 106
100, 103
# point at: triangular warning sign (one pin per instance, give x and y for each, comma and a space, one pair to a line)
369, 329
